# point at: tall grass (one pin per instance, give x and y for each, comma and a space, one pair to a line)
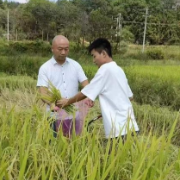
169, 52
29, 63
158, 121
26, 152
28, 149
155, 85
21, 64
23, 83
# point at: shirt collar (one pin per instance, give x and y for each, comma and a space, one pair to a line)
55, 62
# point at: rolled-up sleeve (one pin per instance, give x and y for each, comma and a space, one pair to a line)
42, 78
95, 87
81, 75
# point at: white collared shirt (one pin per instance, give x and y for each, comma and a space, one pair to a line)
65, 77
111, 85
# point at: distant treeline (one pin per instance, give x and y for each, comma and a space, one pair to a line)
85, 20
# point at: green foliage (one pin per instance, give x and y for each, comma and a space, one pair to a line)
29, 150
2, 19
21, 65
100, 24
23, 83
90, 71
155, 54
31, 47
2, 33
127, 36
155, 85
1, 4
156, 120
130, 14
121, 48
174, 40
53, 95
26, 152
79, 19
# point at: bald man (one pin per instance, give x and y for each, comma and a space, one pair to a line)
64, 73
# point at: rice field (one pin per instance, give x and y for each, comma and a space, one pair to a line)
155, 85
28, 149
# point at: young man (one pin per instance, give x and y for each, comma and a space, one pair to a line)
65, 74
111, 85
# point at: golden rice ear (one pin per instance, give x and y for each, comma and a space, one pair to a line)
53, 94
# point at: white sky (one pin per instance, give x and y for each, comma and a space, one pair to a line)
24, 1
20, 1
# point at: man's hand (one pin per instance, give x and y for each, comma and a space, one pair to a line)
53, 107
89, 102
62, 103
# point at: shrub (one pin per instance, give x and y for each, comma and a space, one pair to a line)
155, 54
21, 65
155, 85
30, 47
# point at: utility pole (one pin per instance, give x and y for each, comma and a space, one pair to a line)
16, 34
8, 25
145, 27
119, 26
118, 29
112, 28
42, 35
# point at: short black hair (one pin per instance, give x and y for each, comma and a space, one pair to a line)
99, 45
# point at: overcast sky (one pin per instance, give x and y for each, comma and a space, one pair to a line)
24, 1
20, 1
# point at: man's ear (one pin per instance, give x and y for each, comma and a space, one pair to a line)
104, 53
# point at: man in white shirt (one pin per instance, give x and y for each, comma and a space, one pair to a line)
64, 73
111, 85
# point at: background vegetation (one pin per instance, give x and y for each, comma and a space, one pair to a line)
121, 21
28, 149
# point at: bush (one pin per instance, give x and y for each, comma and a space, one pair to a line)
21, 65
120, 48
153, 119
27, 47
123, 47
155, 85
136, 56
155, 54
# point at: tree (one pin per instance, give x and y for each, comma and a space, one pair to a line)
1, 4
37, 19
133, 17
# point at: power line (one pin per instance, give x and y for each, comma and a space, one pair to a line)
135, 22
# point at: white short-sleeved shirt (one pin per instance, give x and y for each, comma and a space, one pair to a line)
111, 85
65, 77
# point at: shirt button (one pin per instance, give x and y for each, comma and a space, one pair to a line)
64, 81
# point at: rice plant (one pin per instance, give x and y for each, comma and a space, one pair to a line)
28, 149
53, 95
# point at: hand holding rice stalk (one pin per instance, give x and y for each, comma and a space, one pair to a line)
53, 95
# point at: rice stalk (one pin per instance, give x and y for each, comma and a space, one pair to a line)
53, 95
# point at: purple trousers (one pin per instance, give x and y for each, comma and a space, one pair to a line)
66, 122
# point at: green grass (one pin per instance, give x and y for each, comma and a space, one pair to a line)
22, 83
26, 151
170, 52
27, 154
29, 63
155, 85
